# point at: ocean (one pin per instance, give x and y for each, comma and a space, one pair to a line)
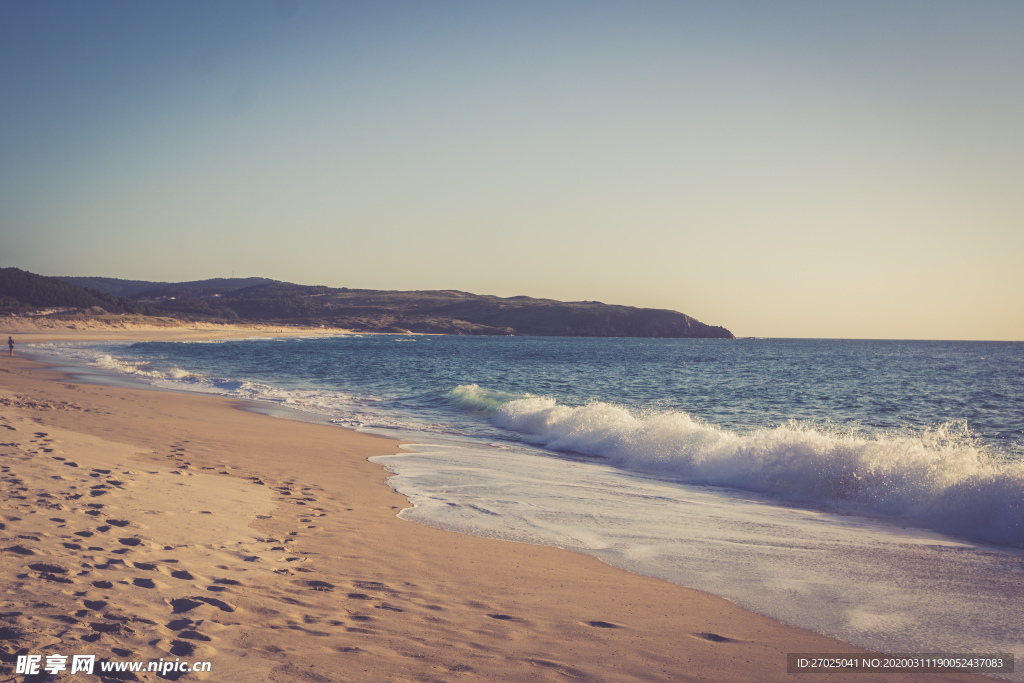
868, 490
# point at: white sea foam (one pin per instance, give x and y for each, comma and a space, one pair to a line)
140, 369
341, 408
938, 478
875, 585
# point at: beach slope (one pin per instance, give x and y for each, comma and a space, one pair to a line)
137, 525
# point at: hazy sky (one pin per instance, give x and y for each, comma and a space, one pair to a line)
824, 169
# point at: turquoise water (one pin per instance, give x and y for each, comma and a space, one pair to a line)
870, 490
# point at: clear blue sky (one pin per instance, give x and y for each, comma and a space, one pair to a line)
827, 169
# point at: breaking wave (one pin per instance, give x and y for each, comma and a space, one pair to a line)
477, 399
938, 478
108, 362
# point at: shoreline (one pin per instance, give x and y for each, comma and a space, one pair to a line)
39, 330
340, 585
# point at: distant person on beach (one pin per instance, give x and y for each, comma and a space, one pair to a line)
10, 344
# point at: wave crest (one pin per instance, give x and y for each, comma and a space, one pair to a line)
939, 478
477, 399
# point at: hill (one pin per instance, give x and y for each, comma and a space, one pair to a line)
144, 288
440, 311
22, 289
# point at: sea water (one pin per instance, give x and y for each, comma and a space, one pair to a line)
868, 490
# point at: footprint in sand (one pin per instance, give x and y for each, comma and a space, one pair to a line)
194, 635
50, 572
109, 564
602, 624
320, 586
19, 550
219, 604
179, 624
182, 605
566, 671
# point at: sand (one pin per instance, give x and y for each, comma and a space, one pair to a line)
42, 328
139, 525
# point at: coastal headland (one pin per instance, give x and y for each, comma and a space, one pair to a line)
260, 301
140, 524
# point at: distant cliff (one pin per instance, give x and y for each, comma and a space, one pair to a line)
441, 312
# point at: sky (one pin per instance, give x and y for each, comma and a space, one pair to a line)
784, 169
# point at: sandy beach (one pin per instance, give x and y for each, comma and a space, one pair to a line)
139, 524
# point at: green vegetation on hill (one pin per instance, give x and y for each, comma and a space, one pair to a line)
21, 289
441, 312
143, 288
